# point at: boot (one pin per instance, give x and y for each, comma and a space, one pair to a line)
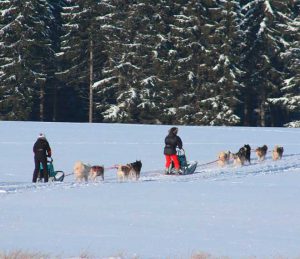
177, 171
167, 171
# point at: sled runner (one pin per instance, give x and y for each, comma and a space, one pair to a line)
186, 167
54, 176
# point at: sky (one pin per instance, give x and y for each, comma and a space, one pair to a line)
231, 211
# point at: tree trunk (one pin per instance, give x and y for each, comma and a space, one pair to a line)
54, 103
42, 100
246, 115
262, 114
262, 110
91, 84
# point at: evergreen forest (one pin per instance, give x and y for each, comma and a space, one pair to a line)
184, 62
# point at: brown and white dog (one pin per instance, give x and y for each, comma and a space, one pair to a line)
81, 171
129, 171
223, 158
95, 171
261, 152
277, 153
123, 172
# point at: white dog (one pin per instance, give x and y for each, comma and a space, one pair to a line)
81, 171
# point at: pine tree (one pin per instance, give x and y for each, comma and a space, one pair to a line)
206, 35
264, 26
223, 93
56, 95
82, 51
150, 61
159, 81
26, 57
184, 50
110, 86
289, 97
133, 86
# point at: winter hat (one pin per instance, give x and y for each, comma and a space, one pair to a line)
42, 135
173, 130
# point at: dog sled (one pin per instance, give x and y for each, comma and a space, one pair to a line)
53, 176
186, 167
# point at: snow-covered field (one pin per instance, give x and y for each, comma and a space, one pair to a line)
237, 212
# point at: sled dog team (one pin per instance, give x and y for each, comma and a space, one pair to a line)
244, 153
129, 171
132, 171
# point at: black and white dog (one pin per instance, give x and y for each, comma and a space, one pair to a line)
243, 155
248, 153
129, 171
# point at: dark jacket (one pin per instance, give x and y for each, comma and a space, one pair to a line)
171, 142
41, 148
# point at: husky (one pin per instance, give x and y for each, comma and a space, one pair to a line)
135, 171
95, 171
123, 172
129, 171
223, 158
81, 171
239, 158
261, 152
248, 153
277, 152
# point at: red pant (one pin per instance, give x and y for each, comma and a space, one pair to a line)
173, 158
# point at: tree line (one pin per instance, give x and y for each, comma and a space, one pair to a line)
189, 62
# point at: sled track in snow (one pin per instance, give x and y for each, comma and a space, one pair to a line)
289, 163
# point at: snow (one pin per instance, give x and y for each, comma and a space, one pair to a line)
127, 64
103, 81
172, 52
162, 37
112, 112
184, 60
216, 67
6, 11
183, 18
268, 7
262, 26
191, 76
288, 81
239, 212
222, 80
150, 80
284, 42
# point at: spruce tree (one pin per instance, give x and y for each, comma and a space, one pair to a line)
110, 86
56, 99
26, 58
81, 52
264, 25
206, 35
289, 96
133, 88
219, 106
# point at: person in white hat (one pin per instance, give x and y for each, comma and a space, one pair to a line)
41, 150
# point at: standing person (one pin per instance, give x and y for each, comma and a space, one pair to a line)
41, 150
172, 141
